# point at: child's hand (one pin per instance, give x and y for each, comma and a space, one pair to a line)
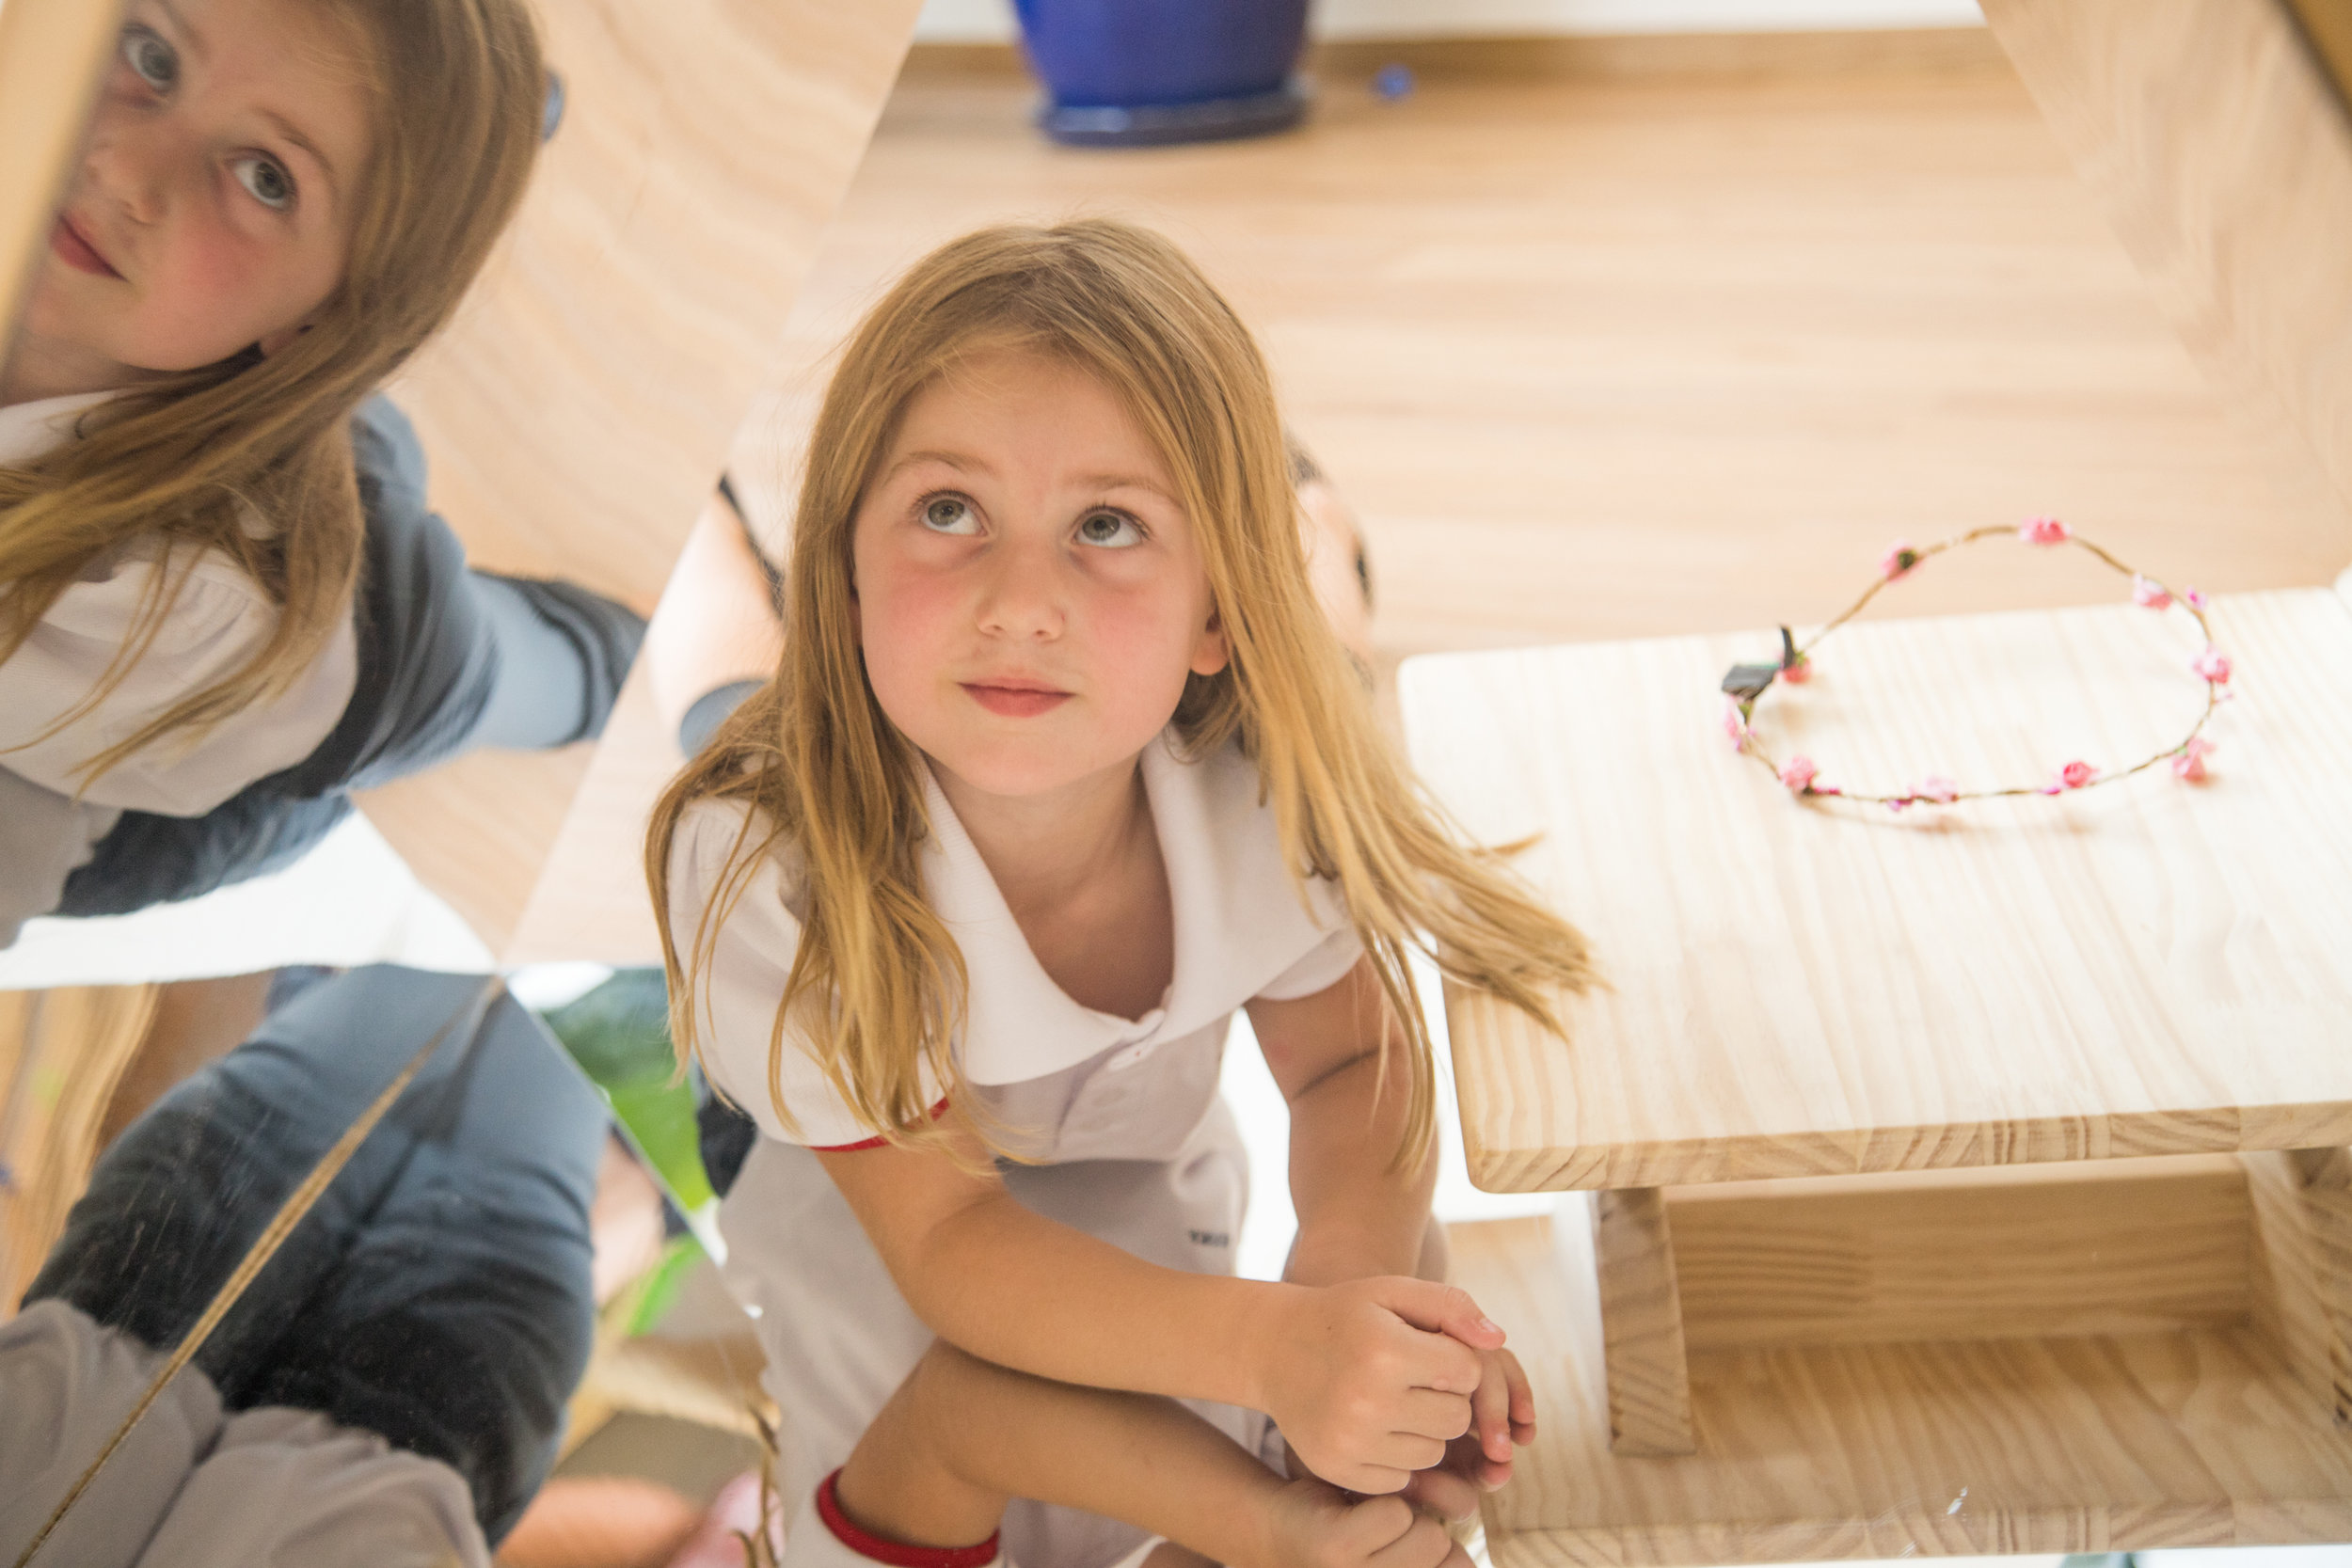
1503, 1415
1315, 1525
1369, 1380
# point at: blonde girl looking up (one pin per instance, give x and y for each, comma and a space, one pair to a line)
1061, 766
280, 201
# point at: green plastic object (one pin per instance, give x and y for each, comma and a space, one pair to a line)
619, 1034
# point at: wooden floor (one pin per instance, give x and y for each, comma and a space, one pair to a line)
1610, 342
1601, 354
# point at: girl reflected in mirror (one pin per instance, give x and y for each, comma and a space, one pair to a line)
224, 603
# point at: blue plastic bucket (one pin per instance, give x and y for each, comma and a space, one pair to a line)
1133, 72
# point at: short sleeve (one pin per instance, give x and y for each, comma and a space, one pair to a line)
219, 620
735, 999
1320, 970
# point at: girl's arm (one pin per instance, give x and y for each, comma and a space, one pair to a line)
1369, 1380
1359, 1212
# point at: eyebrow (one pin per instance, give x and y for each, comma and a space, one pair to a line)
1129, 482
952, 459
194, 40
286, 129
968, 464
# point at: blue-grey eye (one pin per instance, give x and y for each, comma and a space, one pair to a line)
150, 60
265, 179
949, 514
1111, 531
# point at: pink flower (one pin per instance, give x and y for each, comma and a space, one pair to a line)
1735, 726
2150, 595
1897, 804
1936, 787
1899, 559
1798, 673
2189, 761
2213, 665
2074, 775
2043, 531
1799, 775
2192, 598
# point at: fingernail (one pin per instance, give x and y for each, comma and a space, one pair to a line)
1489, 1324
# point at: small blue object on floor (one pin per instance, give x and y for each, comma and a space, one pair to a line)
1392, 83
1149, 73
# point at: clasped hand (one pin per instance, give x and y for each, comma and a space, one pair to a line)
1396, 1385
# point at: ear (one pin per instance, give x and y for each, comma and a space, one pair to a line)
1212, 652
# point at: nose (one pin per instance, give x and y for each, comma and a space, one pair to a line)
1020, 595
128, 166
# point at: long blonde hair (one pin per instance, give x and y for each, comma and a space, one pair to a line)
458, 91
876, 983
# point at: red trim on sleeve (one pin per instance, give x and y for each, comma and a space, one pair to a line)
891, 1552
937, 1110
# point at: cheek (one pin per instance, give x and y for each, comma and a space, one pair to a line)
906, 620
1149, 631
215, 293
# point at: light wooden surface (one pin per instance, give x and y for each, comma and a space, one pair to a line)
580, 411
2219, 149
1813, 989
2017, 1252
61, 1054
1641, 1324
53, 55
1602, 354
592, 902
1613, 341
2193, 1439
2302, 1201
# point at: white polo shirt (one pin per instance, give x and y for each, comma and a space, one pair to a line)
219, 621
1064, 1082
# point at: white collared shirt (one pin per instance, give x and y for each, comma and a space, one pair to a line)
219, 621
1065, 1081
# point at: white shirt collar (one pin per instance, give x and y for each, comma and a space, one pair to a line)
29, 428
1239, 921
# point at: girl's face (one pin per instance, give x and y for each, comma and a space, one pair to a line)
213, 210
1030, 593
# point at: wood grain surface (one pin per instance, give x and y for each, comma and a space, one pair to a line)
2302, 1201
2219, 149
1804, 988
2103, 1443
2014, 1252
591, 902
1640, 1323
1619, 339
53, 55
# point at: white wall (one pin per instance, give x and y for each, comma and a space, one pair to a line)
990, 20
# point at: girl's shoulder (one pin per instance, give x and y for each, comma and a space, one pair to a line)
726, 851
219, 619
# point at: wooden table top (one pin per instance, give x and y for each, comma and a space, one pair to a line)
1816, 988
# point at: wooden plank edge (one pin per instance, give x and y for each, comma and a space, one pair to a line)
1931, 1531
1695, 1161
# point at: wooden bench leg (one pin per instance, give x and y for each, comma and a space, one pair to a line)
2302, 1274
1641, 1320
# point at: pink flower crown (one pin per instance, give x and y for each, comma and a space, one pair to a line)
1746, 683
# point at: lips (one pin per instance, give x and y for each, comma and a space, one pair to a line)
73, 247
1015, 698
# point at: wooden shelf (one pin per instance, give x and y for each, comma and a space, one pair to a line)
2200, 1431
